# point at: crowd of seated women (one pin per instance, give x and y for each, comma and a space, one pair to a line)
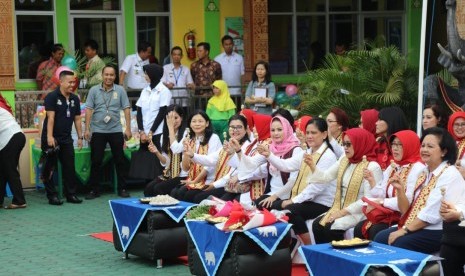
321, 170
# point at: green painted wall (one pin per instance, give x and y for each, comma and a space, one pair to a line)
61, 23
129, 17
212, 29
413, 18
9, 97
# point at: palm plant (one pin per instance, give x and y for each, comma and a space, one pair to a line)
361, 79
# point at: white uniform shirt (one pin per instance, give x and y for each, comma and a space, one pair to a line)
132, 66
318, 193
232, 67
379, 190
8, 127
150, 101
179, 77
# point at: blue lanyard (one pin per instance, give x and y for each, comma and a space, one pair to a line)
176, 78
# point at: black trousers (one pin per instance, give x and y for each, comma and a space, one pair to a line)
275, 205
227, 196
9, 159
66, 156
324, 234
98, 144
454, 259
300, 212
160, 187
372, 231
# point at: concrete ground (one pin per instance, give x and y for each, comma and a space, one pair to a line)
54, 240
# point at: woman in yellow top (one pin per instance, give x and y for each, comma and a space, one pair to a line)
220, 108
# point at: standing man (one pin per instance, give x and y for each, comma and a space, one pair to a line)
205, 71
132, 67
104, 103
177, 75
63, 109
94, 64
47, 69
232, 66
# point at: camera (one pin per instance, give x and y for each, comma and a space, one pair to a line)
52, 150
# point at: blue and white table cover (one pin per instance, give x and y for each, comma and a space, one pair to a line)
212, 243
323, 259
129, 213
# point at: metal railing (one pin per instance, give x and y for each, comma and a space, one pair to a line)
26, 102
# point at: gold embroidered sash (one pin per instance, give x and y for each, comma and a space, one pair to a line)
257, 187
461, 149
174, 167
195, 168
301, 180
222, 167
403, 179
420, 202
352, 190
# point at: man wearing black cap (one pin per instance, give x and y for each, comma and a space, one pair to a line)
63, 109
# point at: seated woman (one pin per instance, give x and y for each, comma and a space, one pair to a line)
338, 122
420, 228
434, 116
368, 118
203, 141
284, 145
220, 108
405, 147
456, 128
307, 201
170, 153
220, 160
390, 121
247, 192
359, 146
248, 114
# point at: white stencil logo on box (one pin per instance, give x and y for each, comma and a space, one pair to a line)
125, 232
266, 230
365, 251
401, 261
210, 258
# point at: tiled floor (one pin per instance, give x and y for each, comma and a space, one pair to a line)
54, 240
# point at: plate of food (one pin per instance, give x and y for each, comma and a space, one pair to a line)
215, 220
163, 200
355, 242
145, 200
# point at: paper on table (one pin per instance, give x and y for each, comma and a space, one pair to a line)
260, 93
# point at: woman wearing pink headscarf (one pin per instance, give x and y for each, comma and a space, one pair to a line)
284, 145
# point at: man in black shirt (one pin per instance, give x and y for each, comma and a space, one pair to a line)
63, 109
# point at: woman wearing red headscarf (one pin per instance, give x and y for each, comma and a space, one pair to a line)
12, 141
283, 145
300, 129
368, 118
456, 128
359, 147
405, 148
248, 114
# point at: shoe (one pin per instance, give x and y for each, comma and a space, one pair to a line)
15, 206
73, 199
55, 201
92, 195
123, 193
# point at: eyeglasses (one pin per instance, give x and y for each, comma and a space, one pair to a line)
331, 121
459, 124
235, 127
346, 144
396, 145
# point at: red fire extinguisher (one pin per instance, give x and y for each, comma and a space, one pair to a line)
189, 44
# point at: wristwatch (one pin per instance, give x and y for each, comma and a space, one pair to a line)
81, 138
407, 231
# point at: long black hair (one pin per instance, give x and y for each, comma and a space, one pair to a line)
208, 129
165, 147
244, 124
394, 118
322, 126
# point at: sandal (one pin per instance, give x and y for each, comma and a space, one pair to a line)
14, 206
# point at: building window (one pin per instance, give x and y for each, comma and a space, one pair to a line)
153, 18
95, 5
34, 35
301, 32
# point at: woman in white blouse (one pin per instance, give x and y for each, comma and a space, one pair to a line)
307, 201
420, 228
407, 167
201, 140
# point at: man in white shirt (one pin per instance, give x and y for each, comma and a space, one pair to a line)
177, 75
132, 67
232, 65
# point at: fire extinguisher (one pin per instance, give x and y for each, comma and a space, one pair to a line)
189, 44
